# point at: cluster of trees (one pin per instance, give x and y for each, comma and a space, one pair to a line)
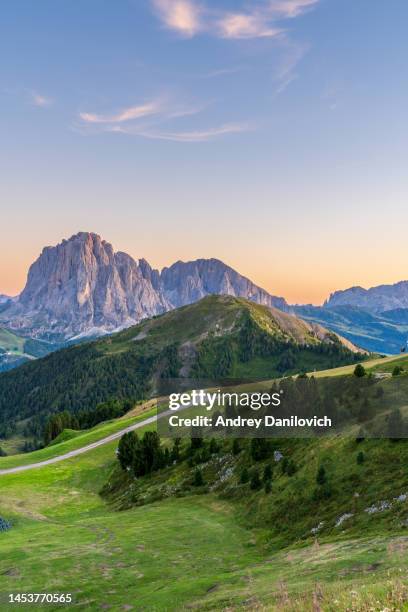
85, 419
145, 455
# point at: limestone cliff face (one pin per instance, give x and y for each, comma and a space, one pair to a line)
82, 287
185, 283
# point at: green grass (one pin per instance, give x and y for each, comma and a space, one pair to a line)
226, 548
195, 551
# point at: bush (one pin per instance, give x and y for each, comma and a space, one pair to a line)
268, 486
360, 458
397, 371
2, 452
359, 371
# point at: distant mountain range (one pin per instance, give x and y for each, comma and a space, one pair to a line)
377, 299
82, 289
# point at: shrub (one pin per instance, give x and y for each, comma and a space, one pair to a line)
268, 486
359, 371
397, 371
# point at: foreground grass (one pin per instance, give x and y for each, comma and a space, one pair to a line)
178, 553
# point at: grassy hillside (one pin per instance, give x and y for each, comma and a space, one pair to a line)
173, 546
218, 337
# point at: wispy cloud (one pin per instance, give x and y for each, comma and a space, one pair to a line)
147, 121
188, 18
240, 25
182, 16
127, 114
291, 55
204, 135
288, 9
40, 100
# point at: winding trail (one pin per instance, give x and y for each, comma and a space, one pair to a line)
88, 447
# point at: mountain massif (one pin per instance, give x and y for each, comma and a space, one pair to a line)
81, 287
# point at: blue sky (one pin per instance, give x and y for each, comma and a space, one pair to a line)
270, 134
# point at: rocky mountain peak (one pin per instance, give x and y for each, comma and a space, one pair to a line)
82, 285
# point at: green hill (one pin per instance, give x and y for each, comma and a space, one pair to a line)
218, 337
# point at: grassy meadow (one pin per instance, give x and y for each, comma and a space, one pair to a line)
160, 544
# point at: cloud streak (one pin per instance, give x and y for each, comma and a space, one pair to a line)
128, 114
145, 121
204, 135
188, 18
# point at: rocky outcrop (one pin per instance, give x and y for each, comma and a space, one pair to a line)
82, 287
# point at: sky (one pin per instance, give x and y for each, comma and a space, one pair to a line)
271, 134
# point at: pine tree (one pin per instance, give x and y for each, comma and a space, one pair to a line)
198, 480
267, 474
126, 449
255, 483
244, 478
236, 446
